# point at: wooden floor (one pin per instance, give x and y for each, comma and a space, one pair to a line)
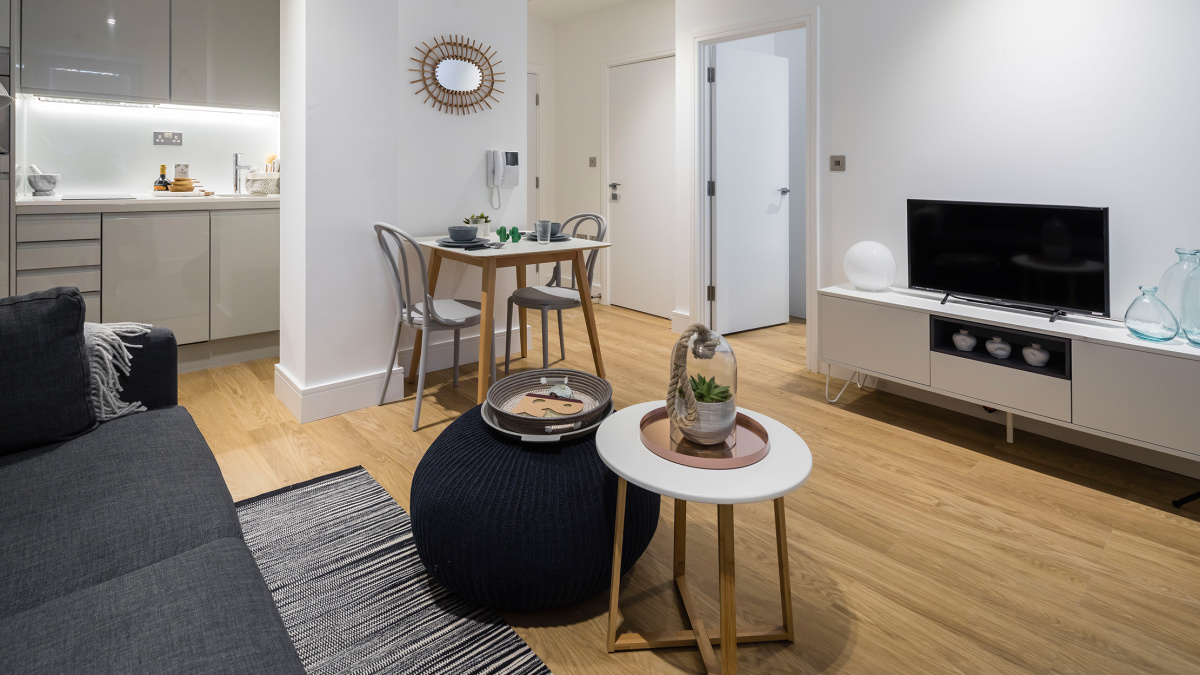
922, 543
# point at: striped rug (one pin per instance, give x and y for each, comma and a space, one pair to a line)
338, 555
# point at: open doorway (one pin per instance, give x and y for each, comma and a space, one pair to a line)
756, 135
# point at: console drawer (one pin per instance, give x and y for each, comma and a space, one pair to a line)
50, 254
881, 339
58, 227
1005, 388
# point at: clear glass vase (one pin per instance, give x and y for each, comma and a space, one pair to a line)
1149, 319
1170, 287
710, 375
1189, 321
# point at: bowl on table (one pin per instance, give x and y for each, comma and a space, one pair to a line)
555, 229
463, 232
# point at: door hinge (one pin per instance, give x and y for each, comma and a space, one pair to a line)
537, 99
712, 74
537, 183
712, 293
712, 188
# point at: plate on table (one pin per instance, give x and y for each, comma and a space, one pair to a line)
447, 241
532, 236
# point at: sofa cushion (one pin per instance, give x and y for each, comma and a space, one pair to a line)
203, 611
135, 491
44, 388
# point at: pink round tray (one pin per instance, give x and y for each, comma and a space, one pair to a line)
746, 445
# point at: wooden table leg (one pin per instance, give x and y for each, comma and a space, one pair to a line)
729, 632
487, 301
614, 591
785, 582
680, 525
585, 298
522, 313
435, 268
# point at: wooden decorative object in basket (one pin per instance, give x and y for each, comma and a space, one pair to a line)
591, 396
458, 75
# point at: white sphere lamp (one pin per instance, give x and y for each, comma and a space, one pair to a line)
870, 266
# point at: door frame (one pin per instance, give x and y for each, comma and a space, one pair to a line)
606, 67
701, 308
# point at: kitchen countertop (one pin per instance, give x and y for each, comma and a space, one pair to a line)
143, 202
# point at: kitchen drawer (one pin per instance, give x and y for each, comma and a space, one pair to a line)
45, 255
58, 227
84, 278
91, 306
1005, 388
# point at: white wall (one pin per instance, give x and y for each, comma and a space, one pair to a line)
1071, 102
630, 30
373, 151
543, 58
105, 148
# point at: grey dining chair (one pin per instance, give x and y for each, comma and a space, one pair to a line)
555, 296
427, 315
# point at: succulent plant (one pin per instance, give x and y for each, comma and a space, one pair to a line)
468, 219
707, 390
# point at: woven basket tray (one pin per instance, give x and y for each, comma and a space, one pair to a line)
594, 392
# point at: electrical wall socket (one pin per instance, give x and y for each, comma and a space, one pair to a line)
168, 138
837, 162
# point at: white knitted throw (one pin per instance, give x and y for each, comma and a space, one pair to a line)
109, 358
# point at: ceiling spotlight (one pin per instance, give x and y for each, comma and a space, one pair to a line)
112, 22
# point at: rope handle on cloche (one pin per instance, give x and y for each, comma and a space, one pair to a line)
705, 344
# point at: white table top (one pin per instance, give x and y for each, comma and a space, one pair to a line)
526, 246
784, 469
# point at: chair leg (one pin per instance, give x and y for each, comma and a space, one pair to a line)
387, 377
545, 338
508, 337
492, 346
421, 378
456, 336
562, 342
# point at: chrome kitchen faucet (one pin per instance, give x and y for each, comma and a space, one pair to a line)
238, 168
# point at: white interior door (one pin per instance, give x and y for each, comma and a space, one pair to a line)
749, 210
532, 177
641, 139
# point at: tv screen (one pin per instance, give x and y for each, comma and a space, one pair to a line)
1045, 257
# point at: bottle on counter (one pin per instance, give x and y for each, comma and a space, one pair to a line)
162, 183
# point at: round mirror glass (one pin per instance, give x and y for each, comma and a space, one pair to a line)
458, 75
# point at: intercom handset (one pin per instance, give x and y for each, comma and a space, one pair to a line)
504, 171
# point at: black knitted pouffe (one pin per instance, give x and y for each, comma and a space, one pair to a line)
522, 527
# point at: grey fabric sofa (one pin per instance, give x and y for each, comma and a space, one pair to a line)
121, 551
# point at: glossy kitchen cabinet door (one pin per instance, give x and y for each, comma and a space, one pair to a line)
155, 270
225, 53
244, 286
118, 49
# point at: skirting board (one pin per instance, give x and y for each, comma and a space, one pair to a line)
1108, 446
680, 321
201, 355
337, 398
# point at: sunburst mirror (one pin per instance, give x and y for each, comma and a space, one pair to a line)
458, 76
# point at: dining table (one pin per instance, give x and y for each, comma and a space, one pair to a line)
519, 255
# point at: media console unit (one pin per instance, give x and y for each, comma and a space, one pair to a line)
1100, 380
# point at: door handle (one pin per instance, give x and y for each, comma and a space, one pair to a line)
784, 191
613, 185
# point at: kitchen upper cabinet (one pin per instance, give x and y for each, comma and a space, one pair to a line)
245, 273
117, 49
155, 270
225, 52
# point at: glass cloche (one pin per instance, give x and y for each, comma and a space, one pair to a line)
702, 401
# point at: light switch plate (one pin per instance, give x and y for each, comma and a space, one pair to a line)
591, 162
168, 138
837, 162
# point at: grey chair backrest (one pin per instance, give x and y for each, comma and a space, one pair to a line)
601, 232
397, 259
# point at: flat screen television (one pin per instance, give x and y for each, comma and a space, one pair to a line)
1049, 258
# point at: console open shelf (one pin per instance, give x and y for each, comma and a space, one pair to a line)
942, 330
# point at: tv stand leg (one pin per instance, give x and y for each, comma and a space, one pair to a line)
1008, 426
945, 298
1054, 315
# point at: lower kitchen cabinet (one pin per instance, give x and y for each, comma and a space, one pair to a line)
155, 270
245, 273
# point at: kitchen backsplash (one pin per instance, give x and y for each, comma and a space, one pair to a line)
100, 149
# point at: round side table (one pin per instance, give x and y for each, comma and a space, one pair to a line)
784, 469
